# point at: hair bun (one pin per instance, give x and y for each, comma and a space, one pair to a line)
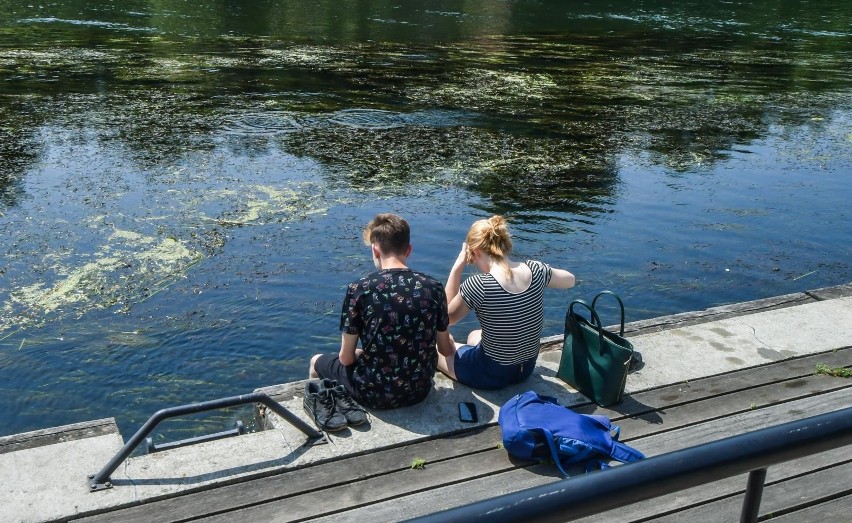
491, 235
498, 226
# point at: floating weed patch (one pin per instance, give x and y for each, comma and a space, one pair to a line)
367, 119
310, 56
262, 203
478, 88
129, 268
117, 267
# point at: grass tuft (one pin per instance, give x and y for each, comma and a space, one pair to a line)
837, 372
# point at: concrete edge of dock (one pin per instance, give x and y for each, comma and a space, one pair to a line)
44, 472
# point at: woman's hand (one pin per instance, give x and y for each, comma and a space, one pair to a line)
463, 257
454, 279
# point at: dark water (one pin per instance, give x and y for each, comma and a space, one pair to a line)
183, 184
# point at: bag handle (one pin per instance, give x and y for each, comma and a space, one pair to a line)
594, 464
620, 304
595, 323
553, 452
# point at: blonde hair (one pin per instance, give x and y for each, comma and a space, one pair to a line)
492, 236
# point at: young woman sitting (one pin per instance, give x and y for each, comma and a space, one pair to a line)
508, 298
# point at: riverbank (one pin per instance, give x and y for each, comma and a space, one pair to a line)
44, 472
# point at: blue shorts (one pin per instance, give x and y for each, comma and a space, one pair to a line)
474, 369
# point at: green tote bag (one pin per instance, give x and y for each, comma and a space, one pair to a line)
595, 361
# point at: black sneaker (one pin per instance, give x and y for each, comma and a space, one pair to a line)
354, 413
319, 403
636, 362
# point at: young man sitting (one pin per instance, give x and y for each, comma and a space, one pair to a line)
399, 316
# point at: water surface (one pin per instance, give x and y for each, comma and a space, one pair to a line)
183, 186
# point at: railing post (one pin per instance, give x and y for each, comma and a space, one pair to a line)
753, 494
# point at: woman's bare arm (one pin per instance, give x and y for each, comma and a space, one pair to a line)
561, 279
455, 277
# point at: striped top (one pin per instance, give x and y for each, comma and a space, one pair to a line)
511, 322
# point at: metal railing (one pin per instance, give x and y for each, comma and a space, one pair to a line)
619, 486
101, 480
238, 430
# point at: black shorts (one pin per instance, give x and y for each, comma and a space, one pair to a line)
329, 366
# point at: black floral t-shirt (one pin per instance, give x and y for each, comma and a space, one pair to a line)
395, 313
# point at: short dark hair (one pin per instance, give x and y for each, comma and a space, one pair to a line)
390, 231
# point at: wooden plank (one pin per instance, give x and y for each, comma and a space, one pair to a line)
781, 497
308, 479
451, 496
743, 422
679, 393
455, 495
365, 493
318, 476
52, 435
729, 404
446, 497
807, 490
737, 424
702, 494
838, 509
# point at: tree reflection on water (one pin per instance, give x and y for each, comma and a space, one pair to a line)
160, 144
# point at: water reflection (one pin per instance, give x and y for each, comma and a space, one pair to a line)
172, 173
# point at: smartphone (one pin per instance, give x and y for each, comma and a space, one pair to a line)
467, 412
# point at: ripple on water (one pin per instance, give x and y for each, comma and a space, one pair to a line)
440, 118
267, 122
89, 23
368, 119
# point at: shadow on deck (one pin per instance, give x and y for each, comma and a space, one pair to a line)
470, 466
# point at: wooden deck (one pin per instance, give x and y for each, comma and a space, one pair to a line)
470, 466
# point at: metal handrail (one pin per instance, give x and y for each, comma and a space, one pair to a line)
616, 487
101, 480
238, 430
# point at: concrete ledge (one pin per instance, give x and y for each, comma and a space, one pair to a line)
699, 350
716, 313
830, 293
684, 319
48, 482
436, 416
53, 435
684, 352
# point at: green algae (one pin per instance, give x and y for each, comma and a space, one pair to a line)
538, 123
127, 269
259, 204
